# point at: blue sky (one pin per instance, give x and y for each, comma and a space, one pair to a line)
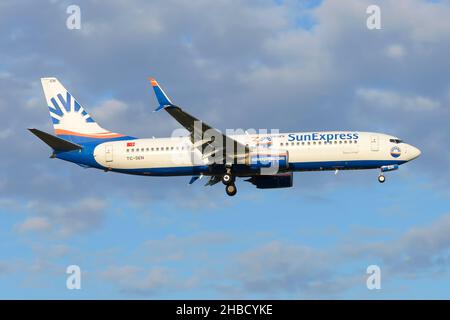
288, 65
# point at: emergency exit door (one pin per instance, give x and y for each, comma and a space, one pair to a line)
109, 153
374, 143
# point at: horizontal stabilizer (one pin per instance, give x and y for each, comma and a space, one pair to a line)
54, 142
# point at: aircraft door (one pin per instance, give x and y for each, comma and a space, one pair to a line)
109, 153
374, 143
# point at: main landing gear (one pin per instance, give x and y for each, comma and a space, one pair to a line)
228, 181
381, 178
231, 189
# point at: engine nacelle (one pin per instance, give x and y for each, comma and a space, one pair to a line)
282, 180
268, 159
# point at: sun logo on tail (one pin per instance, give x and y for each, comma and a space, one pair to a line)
61, 108
68, 116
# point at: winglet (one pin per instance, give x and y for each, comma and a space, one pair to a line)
161, 96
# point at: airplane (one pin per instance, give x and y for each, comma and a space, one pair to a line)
266, 160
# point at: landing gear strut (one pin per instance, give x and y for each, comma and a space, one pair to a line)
228, 177
228, 181
381, 178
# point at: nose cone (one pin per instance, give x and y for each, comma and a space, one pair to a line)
413, 152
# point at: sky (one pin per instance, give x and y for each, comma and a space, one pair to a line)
287, 65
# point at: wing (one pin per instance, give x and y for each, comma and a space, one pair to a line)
210, 141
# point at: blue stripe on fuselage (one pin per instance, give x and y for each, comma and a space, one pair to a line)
85, 157
350, 164
294, 166
169, 171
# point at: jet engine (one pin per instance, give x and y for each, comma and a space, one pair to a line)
282, 180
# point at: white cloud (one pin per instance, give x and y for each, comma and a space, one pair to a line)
278, 267
109, 109
142, 281
65, 220
175, 248
378, 98
39, 224
395, 51
420, 249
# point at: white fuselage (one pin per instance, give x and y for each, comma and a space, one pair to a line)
307, 151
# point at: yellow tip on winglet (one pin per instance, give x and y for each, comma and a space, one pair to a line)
153, 82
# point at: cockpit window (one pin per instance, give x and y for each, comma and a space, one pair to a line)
396, 140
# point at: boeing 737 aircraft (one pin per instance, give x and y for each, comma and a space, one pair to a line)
266, 160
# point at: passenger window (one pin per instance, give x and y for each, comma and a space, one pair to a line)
281, 144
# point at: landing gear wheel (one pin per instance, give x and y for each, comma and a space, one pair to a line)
381, 178
231, 189
227, 179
